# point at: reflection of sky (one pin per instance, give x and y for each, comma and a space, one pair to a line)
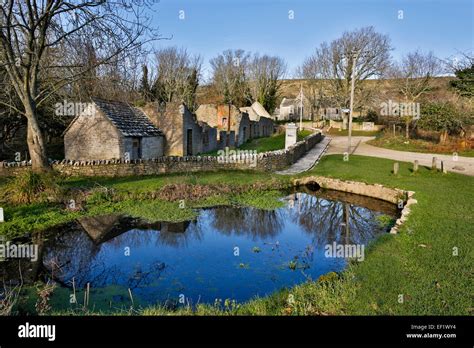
200, 263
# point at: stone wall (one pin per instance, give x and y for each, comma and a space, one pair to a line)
243, 129
267, 161
175, 121
170, 122
93, 137
403, 199
152, 147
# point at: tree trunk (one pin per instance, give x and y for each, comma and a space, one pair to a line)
407, 128
35, 140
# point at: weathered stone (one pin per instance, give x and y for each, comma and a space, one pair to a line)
415, 166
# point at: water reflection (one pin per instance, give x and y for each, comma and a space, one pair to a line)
162, 260
251, 223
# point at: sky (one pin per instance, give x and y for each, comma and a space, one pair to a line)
292, 29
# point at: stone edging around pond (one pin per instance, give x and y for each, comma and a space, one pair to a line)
392, 195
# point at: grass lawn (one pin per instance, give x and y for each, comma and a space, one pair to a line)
275, 142
416, 145
264, 144
426, 269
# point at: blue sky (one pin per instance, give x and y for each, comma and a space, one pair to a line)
211, 26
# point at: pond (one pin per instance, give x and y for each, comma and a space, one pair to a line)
226, 253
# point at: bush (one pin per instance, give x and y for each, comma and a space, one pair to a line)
440, 116
372, 116
29, 187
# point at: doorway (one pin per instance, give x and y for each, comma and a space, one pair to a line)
136, 148
189, 142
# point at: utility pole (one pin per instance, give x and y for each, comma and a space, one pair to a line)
355, 55
301, 107
228, 126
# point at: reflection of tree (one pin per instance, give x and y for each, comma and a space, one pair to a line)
251, 222
330, 221
74, 254
69, 254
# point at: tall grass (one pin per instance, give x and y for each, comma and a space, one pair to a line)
30, 187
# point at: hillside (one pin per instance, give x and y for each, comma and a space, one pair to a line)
291, 87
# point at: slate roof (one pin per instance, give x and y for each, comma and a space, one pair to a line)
130, 121
255, 111
252, 114
260, 110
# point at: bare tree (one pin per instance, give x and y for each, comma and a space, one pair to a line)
10, 120
230, 76
265, 73
37, 37
177, 75
316, 86
372, 53
414, 76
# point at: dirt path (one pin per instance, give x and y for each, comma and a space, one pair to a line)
463, 165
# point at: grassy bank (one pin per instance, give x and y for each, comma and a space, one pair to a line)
155, 198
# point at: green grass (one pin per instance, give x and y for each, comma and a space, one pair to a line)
134, 196
265, 144
275, 142
400, 143
155, 182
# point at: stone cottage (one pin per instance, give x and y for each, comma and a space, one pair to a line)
184, 134
227, 119
111, 130
290, 109
333, 113
261, 123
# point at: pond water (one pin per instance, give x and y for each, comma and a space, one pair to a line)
226, 253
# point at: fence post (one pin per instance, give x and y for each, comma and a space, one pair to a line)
433, 163
396, 167
444, 169
415, 166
